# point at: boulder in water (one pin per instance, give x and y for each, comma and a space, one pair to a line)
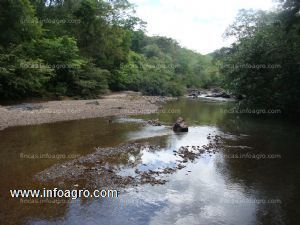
180, 126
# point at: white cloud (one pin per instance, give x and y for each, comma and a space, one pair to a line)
195, 24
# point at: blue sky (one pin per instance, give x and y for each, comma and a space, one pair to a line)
195, 24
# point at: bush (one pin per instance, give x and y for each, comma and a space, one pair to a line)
91, 82
22, 77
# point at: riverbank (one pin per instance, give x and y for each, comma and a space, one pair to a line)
114, 104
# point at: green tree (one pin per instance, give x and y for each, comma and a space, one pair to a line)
263, 63
18, 22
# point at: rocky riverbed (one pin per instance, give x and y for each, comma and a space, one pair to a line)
214, 94
97, 169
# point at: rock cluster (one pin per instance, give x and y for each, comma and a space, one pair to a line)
155, 122
93, 170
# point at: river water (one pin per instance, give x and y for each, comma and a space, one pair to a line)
252, 179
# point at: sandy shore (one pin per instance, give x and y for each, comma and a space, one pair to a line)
114, 104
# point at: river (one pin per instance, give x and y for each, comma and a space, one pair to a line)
252, 179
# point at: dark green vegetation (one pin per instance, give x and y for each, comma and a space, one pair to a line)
82, 48
263, 64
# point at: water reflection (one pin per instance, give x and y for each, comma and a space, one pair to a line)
211, 190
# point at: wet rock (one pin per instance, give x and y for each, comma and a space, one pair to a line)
180, 126
155, 123
194, 93
147, 178
187, 154
180, 166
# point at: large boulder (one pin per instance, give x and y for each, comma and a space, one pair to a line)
180, 126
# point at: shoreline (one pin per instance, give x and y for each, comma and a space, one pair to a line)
113, 104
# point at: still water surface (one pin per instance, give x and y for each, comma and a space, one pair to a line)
214, 189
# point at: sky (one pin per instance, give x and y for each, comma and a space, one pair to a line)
195, 24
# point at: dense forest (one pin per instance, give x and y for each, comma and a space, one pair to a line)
81, 48
263, 65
